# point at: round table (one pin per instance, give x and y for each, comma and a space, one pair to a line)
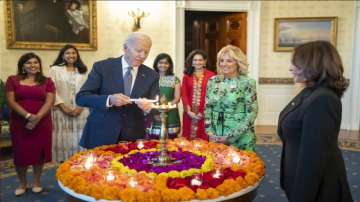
245, 195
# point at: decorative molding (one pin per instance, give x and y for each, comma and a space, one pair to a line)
276, 81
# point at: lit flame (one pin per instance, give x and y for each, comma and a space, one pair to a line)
140, 145
196, 182
110, 176
235, 157
89, 162
217, 174
132, 183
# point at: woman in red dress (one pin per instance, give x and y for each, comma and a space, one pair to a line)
30, 96
193, 92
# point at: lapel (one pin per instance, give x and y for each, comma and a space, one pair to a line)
295, 103
118, 74
139, 82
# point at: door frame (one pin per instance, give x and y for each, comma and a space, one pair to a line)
253, 28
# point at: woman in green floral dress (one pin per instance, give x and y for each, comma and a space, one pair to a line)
170, 88
231, 103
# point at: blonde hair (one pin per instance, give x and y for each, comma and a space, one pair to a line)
236, 54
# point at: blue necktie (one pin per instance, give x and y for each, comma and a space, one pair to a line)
128, 81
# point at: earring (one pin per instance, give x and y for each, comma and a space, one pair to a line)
23, 71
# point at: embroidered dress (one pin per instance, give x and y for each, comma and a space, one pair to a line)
230, 110
193, 91
67, 130
167, 88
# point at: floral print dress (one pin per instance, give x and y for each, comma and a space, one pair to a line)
231, 109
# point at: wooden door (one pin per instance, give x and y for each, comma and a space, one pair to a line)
210, 31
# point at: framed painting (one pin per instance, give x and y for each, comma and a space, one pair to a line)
50, 24
290, 32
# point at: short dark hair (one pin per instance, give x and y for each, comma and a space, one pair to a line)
189, 69
321, 65
170, 70
21, 75
81, 67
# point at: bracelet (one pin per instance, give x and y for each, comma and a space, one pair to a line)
27, 116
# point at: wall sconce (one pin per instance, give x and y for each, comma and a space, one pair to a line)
137, 16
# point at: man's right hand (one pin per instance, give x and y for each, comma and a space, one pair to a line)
119, 100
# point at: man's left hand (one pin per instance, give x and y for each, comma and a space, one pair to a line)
144, 105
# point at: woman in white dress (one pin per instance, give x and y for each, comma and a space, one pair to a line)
69, 74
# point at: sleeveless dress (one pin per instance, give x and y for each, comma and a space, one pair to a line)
167, 88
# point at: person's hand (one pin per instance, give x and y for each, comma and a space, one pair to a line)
32, 121
192, 115
144, 105
66, 110
119, 100
199, 116
217, 139
77, 111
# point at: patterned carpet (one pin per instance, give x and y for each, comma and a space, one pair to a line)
269, 190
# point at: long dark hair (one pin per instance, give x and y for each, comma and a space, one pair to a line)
189, 69
21, 74
170, 70
81, 67
321, 65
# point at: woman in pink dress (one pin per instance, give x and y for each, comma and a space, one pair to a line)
193, 92
30, 96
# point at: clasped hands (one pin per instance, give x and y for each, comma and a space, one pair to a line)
192, 115
120, 99
71, 111
33, 120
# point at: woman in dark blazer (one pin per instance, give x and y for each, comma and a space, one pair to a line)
312, 166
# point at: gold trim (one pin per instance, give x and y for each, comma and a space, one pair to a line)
11, 42
277, 21
282, 81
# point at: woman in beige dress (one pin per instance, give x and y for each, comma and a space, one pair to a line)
69, 74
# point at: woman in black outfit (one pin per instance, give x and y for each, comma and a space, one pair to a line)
312, 166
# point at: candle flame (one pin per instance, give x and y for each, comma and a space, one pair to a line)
110, 176
196, 182
140, 145
89, 162
217, 174
132, 182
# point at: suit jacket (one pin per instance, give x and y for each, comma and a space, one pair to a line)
105, 124
312, 167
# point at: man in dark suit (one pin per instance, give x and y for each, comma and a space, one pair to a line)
110, 85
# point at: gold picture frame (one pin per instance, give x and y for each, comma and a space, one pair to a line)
290, 32
35, 24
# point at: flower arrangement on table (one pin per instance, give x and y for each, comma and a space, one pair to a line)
201, 170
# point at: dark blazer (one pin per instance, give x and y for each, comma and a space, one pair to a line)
312, 166
105, 124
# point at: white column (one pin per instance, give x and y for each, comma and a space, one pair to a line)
351, 100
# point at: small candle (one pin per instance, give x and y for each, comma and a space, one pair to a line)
196, 182
235, 158
89, 162
217, 174
132, 182
140, 145
110, 176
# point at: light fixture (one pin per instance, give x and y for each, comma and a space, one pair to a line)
137, 16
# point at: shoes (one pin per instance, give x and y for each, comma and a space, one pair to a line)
20, 191
37, 189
